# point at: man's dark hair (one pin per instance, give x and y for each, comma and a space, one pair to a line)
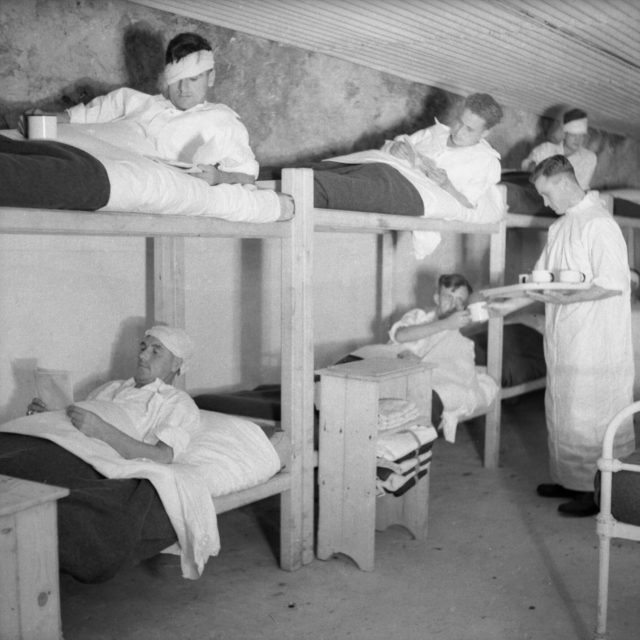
552, 166
454, 281
573, 114
184, 44
483, 105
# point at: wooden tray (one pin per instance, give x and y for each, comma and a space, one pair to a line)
516, 290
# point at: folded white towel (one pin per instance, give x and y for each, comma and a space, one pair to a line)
394, 412
396, 445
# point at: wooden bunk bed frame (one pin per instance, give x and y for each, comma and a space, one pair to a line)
166, 234
165, 249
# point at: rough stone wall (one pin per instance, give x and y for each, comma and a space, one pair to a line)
297, 105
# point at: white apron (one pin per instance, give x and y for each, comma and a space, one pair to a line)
588, 347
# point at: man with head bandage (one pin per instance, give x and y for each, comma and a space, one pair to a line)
144, 416
575, 131
178, 125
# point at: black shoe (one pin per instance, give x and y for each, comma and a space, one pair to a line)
556, 491
581, 506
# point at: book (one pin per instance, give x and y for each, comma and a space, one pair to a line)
54, 387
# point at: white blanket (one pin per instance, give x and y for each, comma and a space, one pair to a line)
227, 454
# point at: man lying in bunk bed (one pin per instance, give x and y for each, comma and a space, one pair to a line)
447, 172
434, 336
107, 523
163, 136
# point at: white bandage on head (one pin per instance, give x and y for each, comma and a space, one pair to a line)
188, 67
176, 340
576, 126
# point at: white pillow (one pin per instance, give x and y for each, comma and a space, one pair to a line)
230, 453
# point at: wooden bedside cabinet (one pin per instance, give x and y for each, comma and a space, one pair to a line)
349, 512
29, 580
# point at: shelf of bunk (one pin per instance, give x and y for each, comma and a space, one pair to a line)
115, 223
360, 222
349, 509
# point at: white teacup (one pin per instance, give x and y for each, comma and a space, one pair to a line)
569, 276
541, 276
42, 127
478, 311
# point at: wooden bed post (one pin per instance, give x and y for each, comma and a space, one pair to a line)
387, 279
166, 261
497, 263
297, 504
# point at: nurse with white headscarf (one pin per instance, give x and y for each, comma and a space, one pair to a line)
587, 340
178, 125
575, 131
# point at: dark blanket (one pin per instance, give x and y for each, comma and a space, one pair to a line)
50, 175
522, 354
103, 524
626, 208
522, 196
372, 187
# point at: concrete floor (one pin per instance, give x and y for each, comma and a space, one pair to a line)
499, 564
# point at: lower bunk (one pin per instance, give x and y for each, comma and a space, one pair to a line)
120, 512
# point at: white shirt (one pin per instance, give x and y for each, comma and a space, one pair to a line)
454, 378
151, 125
583, 160
154, 412
472, 170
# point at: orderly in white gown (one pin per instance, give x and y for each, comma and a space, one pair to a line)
588, 346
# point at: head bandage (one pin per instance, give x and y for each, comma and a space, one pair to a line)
188, 67
575, 126
176, 340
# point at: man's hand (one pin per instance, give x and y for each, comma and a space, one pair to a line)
87, 422
433, 172
409, 356
456, 320
213, 175
36, 406
404, 151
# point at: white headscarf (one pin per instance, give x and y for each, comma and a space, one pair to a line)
176, 340
576, 126
188, 67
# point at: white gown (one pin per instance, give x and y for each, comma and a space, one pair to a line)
588, 346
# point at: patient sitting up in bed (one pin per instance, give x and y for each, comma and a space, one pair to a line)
434, 337
113, 514
151, 418
179, 125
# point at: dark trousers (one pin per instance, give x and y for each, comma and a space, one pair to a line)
51, 175
373, 188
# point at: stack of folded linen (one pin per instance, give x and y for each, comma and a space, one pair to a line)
394, 412
402, 458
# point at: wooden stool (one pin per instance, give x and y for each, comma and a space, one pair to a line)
349, 513
29, 581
